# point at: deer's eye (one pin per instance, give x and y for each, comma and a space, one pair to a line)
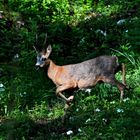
43, 59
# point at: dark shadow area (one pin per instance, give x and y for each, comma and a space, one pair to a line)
45, 129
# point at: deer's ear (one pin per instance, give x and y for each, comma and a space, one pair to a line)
49, 49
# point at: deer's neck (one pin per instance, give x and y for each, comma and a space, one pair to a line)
52, 69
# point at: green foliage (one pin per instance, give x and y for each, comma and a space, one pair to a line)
77, 30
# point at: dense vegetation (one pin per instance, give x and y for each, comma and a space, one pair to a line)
77, 31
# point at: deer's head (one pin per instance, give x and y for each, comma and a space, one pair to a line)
43, 56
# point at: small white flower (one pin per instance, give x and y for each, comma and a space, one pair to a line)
16, 56
79, 130
120, 22
126, 31
88, 90
100, 134
119, 110
108, 6
70, 132
104, 120
113, 102
87, 17
20, 22
1, 85
126, 99
97, 110
22, 112
21, 95
24, 93
88, 120
101, 32
77, 109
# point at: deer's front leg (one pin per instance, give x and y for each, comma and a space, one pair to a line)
62, 88
59, 91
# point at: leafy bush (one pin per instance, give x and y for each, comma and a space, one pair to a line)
77, 30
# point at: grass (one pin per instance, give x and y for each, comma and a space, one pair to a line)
30, 113
95, 115
98, 119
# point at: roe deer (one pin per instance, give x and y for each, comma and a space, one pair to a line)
82, 75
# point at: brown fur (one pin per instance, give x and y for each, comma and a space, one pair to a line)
85, 74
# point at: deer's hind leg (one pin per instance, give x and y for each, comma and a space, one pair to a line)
114, 82
121, 88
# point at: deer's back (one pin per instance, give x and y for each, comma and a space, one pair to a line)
87, 72
100, 66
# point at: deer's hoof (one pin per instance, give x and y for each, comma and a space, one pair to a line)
70, 99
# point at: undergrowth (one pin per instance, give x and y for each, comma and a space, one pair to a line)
93, 115
77, 30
